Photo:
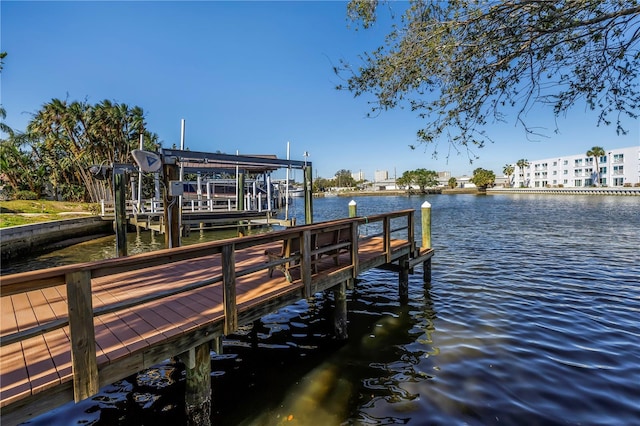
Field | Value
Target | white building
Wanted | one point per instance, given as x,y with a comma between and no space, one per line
358,176
618,167
381,175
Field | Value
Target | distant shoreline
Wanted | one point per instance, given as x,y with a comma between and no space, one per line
625,191
396,193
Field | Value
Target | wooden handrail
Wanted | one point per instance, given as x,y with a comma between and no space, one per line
35,280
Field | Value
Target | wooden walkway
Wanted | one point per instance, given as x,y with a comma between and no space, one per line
68,331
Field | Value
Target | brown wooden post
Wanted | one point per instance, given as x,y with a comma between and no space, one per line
119,198
83,340
426,266
240,201
411,233
411,229
305,265
172,209
340,311
229,283
197,396
354,249
308,194
386,231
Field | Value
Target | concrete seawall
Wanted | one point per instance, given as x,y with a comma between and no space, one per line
18,240
635,191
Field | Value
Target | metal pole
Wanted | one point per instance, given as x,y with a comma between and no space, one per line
181,177
199,191
286,188
156,186
269,192
140,180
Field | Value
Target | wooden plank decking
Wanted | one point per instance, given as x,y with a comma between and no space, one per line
149,307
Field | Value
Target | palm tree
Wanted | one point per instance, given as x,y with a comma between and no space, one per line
522,164
508,171
4,127
596,152
71,137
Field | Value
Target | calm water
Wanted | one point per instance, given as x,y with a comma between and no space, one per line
532,317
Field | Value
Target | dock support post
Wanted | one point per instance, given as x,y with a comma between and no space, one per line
340,311
240,199
216,345
229,288
308,195
119,190
353,208
197,396
268,185
172,208
82,334
426,238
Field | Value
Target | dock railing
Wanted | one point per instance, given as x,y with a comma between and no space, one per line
336,242
214,204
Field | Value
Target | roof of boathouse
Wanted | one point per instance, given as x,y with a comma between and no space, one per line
194,161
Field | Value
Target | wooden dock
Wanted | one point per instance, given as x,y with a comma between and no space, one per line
68,331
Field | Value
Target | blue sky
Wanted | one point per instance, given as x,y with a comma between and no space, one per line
247,77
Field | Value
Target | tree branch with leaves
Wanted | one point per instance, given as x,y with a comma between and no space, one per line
461,65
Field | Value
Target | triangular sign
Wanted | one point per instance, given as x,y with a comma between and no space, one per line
146,160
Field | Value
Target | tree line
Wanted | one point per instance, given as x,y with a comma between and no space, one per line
63,140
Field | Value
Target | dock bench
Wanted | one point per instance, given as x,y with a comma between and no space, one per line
330,242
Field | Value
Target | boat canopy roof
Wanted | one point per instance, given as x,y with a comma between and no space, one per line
194,161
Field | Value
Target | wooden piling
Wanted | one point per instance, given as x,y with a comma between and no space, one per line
120,211
308,194
198,386
340,311
229,289
171,207
216,345
240,206
353,208
82,334
426,238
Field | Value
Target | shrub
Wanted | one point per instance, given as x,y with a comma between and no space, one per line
26,195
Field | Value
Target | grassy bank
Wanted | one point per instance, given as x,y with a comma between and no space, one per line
24,212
